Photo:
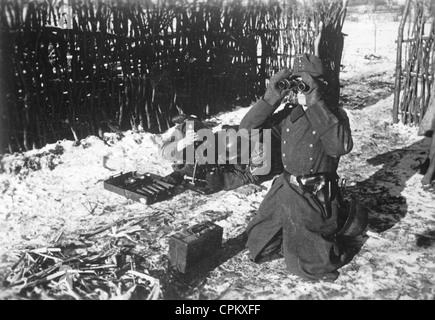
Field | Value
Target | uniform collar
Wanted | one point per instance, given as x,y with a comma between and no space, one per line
296,113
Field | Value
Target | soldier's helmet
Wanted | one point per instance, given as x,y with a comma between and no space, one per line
191,122
356,221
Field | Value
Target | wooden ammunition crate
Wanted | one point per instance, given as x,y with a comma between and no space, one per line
146,187
189,246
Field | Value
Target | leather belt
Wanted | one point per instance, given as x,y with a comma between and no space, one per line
291,179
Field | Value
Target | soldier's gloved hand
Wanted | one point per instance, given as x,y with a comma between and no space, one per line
315,89
175,177
274,94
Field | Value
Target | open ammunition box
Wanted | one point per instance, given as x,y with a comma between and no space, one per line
135,186
189,246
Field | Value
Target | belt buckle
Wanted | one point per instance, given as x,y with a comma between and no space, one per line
292,179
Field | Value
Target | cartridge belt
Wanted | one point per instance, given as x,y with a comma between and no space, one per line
320,186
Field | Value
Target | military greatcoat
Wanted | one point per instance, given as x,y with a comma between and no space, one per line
312,141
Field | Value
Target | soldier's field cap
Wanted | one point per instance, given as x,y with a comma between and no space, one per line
308,63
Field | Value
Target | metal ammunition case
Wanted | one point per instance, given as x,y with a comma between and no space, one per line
189,246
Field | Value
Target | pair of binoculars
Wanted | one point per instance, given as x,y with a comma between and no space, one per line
296,85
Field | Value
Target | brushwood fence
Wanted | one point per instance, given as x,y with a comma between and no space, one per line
415,63
73,68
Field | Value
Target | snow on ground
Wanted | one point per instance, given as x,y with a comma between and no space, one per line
60,187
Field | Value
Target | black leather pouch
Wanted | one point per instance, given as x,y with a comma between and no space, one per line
319,186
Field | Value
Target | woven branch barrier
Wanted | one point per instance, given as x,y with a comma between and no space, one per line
415,63
74,68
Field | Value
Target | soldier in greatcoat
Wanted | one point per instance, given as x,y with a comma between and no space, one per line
218,177
298,218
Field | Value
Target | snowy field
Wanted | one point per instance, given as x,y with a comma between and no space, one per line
57,192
